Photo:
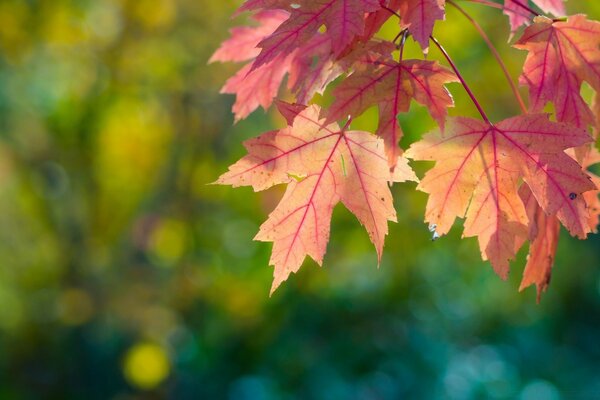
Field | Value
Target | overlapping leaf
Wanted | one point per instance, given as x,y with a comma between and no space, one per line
322,166
543,236
543,229
392,85
343,20
253,88
257,87
562,55
419,17
480,168
519,16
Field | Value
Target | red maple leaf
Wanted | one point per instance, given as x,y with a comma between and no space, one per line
519,16
322,166
392,85
543,230
343,20
479,170
419,17
562,55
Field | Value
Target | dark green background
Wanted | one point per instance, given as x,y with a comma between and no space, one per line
115,256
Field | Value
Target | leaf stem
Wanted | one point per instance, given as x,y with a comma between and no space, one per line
462,80
402,42
381,3
494,51
526,7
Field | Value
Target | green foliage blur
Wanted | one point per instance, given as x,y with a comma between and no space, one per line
123,275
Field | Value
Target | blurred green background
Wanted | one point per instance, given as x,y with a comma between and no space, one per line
124,276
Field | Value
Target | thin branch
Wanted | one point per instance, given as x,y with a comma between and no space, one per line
397,37
489,43
389,9
462,80
402,42
526,7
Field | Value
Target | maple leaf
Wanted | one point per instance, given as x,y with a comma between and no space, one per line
391,85
555,7
289,111
544,229
419,16
543,236
479,170
562,55
322,166
375,20
257,87
251,5
343,19
519,16
241,46
312,68
253,88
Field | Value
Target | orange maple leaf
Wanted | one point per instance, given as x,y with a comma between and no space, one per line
479,170
544,229
562,55
322,166
392,85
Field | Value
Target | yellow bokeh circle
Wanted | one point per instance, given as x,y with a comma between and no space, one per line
146,365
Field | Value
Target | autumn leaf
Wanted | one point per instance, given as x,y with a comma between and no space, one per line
480,168
241,46
562,55
544,230
543,237
257,87
322,166
289,111
253,88
392,85
519,16
419,17
343,20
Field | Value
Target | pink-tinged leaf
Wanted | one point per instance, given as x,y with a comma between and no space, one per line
562,55
292,34
375,20
543,235
544,229
312,69
254,88
241,46
390,130
343,19
391,85
479,170
322,167
419,17
517,15
251,5
347,21
555,7
591,197
289,111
